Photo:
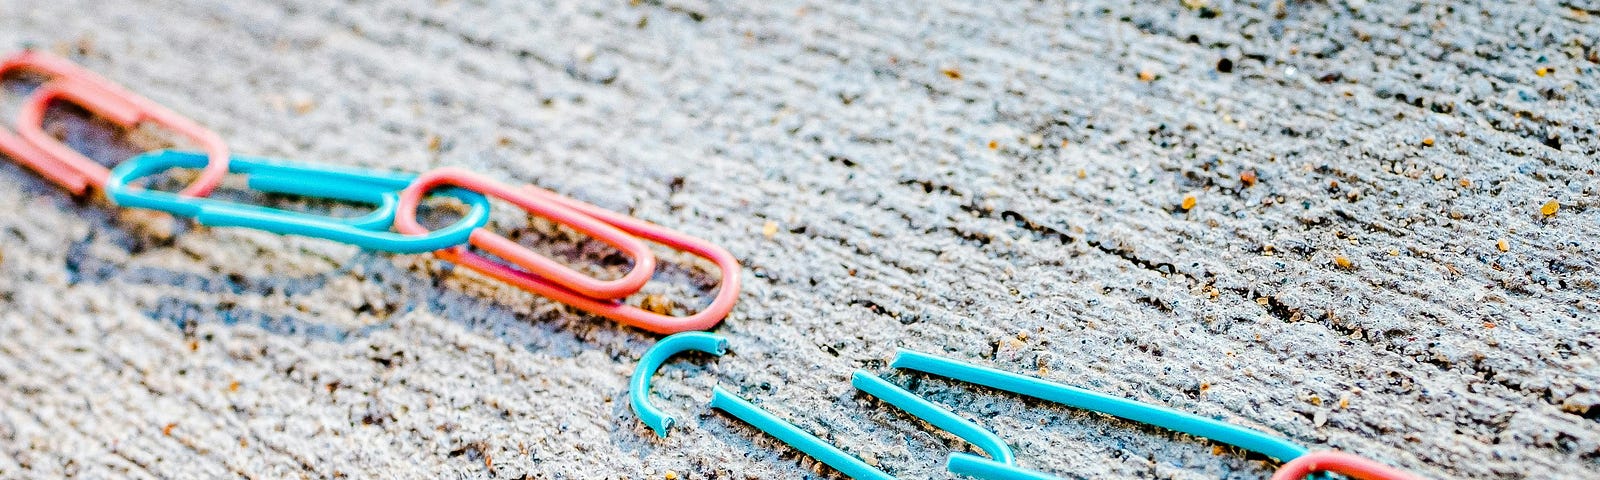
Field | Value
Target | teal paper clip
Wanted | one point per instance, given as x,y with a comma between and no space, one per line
934,414
794,436
1001,464
639,384
1278,448
370,231
978,467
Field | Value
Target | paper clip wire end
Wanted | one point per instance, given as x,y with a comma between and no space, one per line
639,384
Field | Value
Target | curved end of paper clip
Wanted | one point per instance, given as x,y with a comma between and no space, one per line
978,467
639,384
933,414
1346,464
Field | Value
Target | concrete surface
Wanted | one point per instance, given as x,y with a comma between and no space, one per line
1001,182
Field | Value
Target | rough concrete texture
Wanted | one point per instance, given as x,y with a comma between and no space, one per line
1000,182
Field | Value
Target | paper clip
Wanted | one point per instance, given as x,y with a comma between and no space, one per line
74,171
1341,463
21,150
727,294
644,262
794,436
1164,417
979,467
370,231
639,384
933,414
999,465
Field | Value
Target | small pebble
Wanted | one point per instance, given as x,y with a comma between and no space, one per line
1343,262
1550,208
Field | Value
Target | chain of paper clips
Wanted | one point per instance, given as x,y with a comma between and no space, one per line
393,227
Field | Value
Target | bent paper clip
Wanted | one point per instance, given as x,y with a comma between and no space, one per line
371,231
794,436
639,384
979,467
1001,464
1164,417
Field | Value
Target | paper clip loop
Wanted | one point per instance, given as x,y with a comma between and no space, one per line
644,262
727,293
71,169
371,231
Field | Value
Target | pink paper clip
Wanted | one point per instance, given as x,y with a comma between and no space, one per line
644,262
727,293
70,169
1341,463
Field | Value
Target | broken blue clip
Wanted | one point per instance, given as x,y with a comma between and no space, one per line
1278,448
639,385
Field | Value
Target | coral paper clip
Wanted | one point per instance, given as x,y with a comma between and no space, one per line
1192,424
727,293
73,170
1341,463
371,231
644,262
28,154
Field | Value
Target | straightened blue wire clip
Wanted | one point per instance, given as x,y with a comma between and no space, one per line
371,231
1223,432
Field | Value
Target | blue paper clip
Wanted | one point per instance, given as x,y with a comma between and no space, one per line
934,414
1192,424
978,467
794,436
371,231
639,384
1001,464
